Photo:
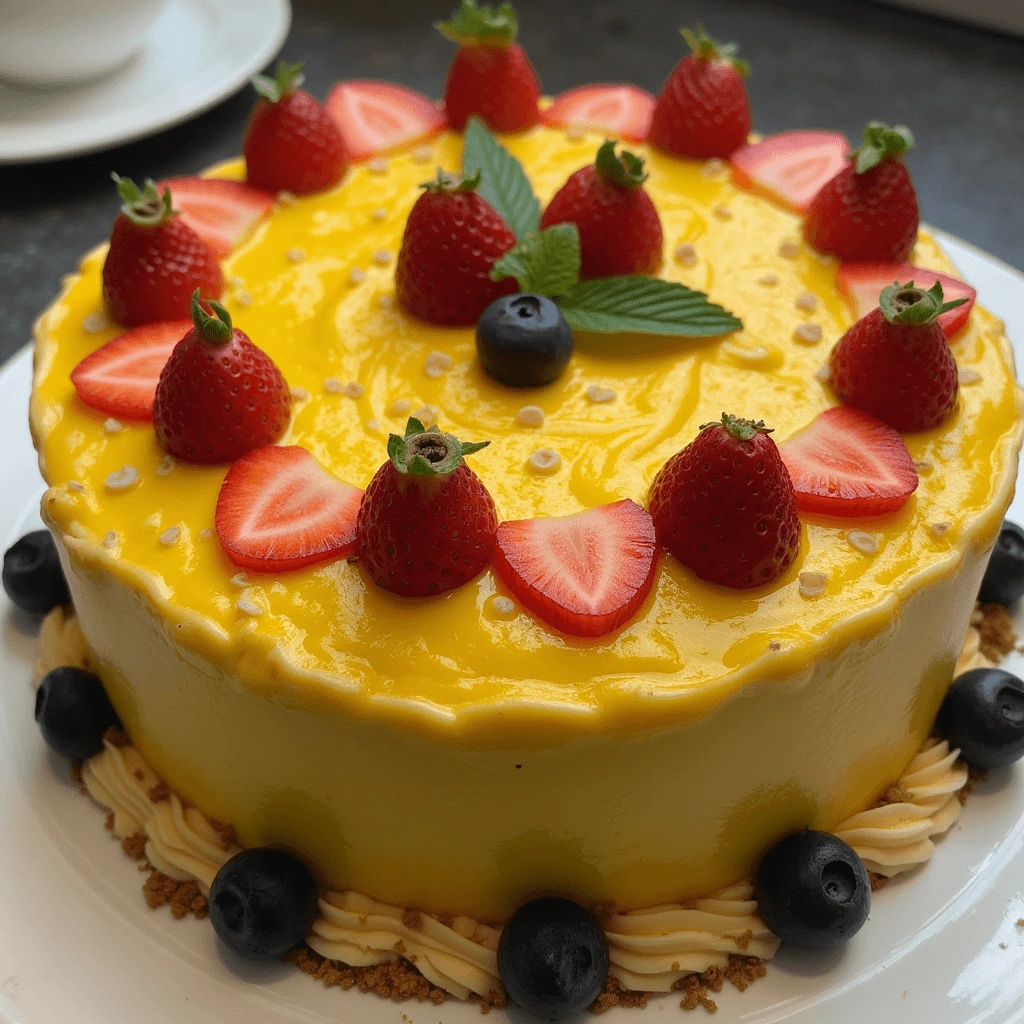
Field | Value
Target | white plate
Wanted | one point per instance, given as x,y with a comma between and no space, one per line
199,52
79,946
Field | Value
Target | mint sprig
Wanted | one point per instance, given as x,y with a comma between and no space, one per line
545,262
503,182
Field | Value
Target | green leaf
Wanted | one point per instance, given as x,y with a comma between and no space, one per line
473,23
645,305
881,143
544,262
503,182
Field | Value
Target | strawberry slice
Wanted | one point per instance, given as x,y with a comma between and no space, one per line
374,117
847,463
790,167
862,283
120,378
584,574
624,111
219,211
279,509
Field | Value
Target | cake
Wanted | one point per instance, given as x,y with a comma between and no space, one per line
446,758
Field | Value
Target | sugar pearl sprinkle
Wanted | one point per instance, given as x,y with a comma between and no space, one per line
768,280
353,390
812,584
503,605
357,275
296,255
247,607
400,407
286,198
437,364
170,535
531,416
378,165
95,323
807,302
111,539
723,212
686,254
300,394
807,334
386,301
968,376
599,393
423,154
938,530
234,281
427,414
382,257
122,479
545,460
713,167
379,214
334,386
789,249
866,543
205,533
243,298
240,579
74,485
823,373
112,426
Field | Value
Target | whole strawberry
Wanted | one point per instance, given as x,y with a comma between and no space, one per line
725,507
155,261
702,110
620,231
219,396
868,212
895,362
490,75
426,523
291,143
452,239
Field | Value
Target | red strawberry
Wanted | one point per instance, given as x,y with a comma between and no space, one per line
120,378
219,211
702,110
376,117
724,505
868,211
426,523
895,362
624,111
862,284
279,509
847,463
620,231
490,75
452,239
156,261
219,396
584,574
790,167
291,143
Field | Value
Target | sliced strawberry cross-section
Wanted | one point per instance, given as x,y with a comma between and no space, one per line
120,377
219,211
375,117
847,463
279,510
622,111
862,283
791,167
584,574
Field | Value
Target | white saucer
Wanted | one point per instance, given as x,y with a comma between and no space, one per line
79,946
199,52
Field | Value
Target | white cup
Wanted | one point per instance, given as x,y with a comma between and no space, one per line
56,42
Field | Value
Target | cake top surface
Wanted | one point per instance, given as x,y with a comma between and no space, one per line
314,287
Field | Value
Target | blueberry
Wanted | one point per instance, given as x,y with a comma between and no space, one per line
552,958
812,890
73,712
262,902
983,715
1004,578
33,578
523,340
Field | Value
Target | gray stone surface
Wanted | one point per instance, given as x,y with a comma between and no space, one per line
822,63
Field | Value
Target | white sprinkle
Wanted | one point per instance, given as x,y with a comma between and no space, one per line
531,416
823,373
722,212
334,385
866,543
807,301
95,323
382,257
437,363
112,426
378,165
243,298
357,275
968,376
286,198
807,334
768,280
948,451
774,645
385,300
234,281
812,584
111,539
938,530
205,533
296,255
76,529
713,167
746,353
600,393
248,607
427,414
300,394
373,425
924,465
240,579
423,154
575,133
379,214
354,390
503,605
686,254
789,249
122,479
166,466
545,460
170,535
400,407
74,485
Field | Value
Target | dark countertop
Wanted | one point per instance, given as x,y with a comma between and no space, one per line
835,64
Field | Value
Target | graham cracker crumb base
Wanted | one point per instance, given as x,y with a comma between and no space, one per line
998,637
182,897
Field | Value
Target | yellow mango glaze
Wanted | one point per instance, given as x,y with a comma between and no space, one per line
436,753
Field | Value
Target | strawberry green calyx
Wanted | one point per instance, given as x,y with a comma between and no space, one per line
217,330
146,206
910,306
448,184
286,80
705,48
741,429
423,452
881,143
624,170
481,25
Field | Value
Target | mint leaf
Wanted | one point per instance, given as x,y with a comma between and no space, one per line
544,262
503,182
646,305
472,24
